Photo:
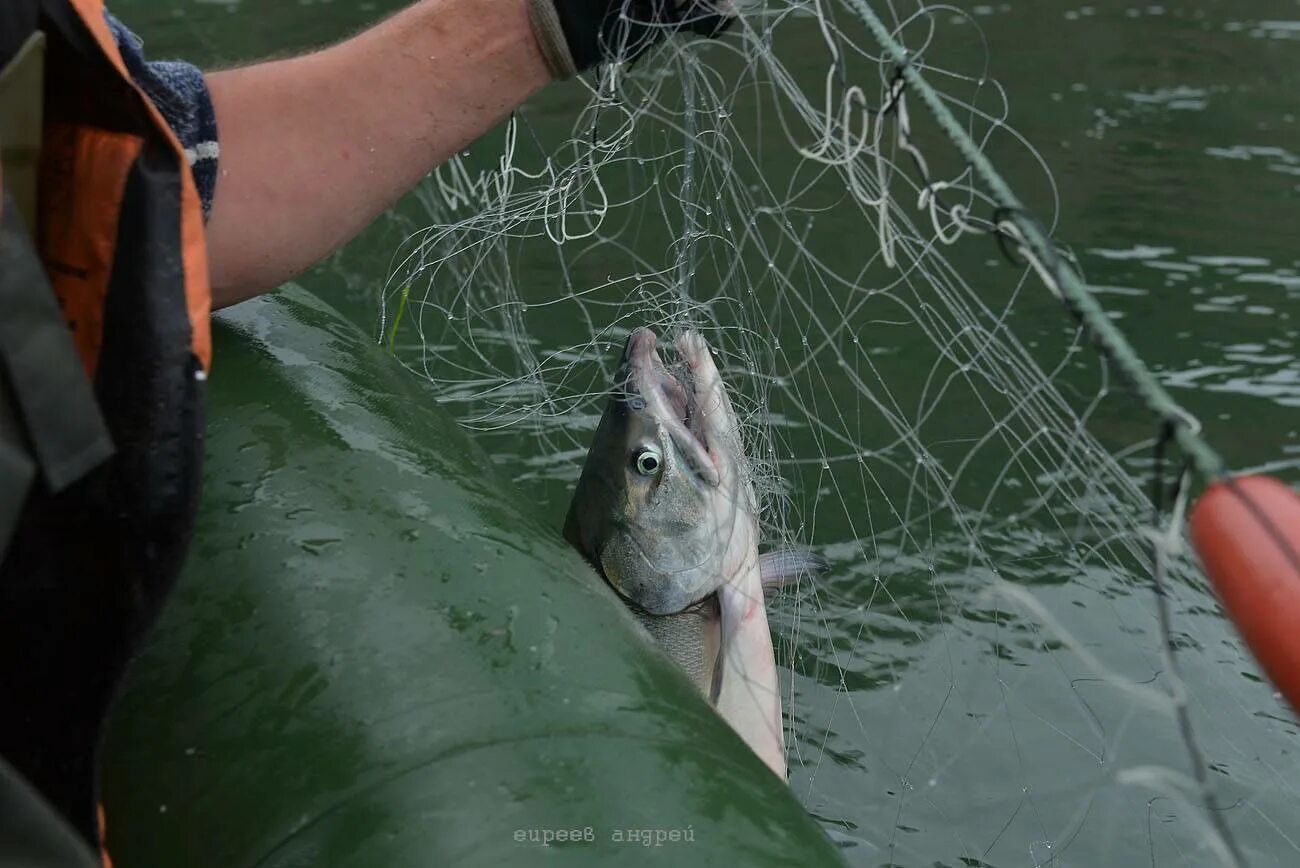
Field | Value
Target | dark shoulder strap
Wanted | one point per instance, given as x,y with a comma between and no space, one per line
17,22
54,409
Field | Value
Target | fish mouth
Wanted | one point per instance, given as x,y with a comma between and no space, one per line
686,397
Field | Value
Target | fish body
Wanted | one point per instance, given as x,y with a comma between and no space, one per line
691,639
665,511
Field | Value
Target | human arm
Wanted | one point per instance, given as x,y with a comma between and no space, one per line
315,147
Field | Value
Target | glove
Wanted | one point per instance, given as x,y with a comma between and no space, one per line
576,35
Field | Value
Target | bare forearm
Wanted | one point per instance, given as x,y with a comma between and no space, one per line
314,148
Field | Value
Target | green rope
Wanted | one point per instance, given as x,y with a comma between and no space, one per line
1110,340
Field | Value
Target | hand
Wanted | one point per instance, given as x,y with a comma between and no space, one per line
576,35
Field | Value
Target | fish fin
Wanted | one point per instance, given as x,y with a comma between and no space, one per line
777,567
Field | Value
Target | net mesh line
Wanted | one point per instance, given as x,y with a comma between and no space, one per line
1063,282
1037,245
911,484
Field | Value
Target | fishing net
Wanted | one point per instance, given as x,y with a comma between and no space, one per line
1014,659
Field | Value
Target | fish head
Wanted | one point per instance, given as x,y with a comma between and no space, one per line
664,508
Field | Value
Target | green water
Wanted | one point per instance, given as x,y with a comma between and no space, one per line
1171,133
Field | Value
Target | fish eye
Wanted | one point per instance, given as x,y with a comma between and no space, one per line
648,460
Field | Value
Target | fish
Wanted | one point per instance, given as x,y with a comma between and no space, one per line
665,511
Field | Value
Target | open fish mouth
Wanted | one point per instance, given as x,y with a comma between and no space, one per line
687,398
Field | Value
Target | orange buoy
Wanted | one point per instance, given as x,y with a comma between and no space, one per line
103,840
1247,532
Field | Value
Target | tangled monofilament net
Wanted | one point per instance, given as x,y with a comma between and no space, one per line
984,677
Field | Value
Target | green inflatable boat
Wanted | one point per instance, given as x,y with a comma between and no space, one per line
377,657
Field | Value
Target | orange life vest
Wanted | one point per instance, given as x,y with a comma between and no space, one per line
107,509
